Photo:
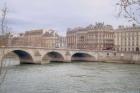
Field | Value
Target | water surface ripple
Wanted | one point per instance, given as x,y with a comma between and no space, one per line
82,77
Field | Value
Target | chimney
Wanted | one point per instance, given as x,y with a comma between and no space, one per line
134,25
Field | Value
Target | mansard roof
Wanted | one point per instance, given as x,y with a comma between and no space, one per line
128,28
34,32
97,26
42,32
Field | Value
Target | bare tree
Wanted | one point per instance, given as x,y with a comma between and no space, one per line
130,9
3,69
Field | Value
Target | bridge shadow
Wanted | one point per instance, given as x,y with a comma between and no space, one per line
53,57
82,57
18,56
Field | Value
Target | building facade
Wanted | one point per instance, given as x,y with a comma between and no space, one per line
5,39
36,38
61,42
92,37
127,39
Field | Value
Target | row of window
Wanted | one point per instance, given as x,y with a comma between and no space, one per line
136,49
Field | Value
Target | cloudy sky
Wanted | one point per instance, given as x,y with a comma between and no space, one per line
60,14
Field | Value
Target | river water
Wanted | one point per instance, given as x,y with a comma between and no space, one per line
76,77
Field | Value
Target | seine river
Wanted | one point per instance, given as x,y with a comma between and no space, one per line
76,77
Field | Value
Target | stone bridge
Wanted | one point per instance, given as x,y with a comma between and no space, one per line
43,55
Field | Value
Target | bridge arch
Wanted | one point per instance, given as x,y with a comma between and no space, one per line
53,56
24,56
78,56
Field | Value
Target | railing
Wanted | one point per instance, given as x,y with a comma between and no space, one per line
78,50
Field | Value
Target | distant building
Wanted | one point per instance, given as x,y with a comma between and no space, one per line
127,39
93,37
49,39
4,39
36,38
61,42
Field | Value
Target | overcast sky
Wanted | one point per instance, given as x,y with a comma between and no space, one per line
60,14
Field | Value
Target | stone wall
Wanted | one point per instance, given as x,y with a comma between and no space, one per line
122,58
37,55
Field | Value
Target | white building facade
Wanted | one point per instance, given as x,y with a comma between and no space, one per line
127,39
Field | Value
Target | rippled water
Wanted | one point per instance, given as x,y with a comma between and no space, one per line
82,77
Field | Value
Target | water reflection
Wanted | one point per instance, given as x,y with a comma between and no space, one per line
78,77
11,59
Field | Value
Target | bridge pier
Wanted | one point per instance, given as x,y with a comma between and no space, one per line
67,58
45,61
37,60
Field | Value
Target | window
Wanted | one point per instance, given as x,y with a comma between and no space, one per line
107,54
137,49
115,54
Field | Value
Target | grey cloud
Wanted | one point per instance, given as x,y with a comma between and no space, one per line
59,14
